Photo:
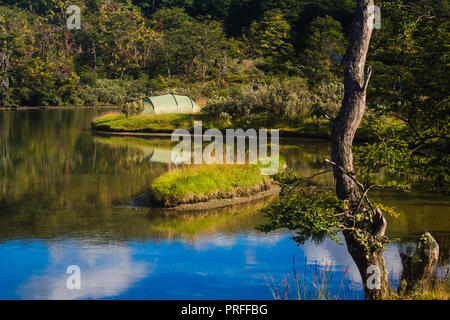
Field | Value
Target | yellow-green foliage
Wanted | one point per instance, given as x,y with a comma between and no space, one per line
437,288
163,122
132,108
195,181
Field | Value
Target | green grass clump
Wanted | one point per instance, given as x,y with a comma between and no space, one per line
149,123
200,182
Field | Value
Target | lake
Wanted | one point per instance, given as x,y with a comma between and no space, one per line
63,191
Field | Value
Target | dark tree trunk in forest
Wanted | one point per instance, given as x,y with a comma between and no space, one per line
366,250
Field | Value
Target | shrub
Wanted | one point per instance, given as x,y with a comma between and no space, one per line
87,97
114,92
132,108
88,77
111,92
289,97
328,98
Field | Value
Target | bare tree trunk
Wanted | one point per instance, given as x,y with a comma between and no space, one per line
353,106
365,249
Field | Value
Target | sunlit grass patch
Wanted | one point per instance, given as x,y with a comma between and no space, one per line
162,122
200,183
436,288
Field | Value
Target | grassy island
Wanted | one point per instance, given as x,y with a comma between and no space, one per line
202,183
307,127
151,123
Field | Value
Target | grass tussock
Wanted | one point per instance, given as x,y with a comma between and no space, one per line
324,282
435,288
314,282
438,289
202,183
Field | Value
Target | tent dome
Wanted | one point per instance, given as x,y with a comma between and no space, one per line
169,103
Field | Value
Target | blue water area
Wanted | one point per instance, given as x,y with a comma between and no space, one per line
244,266
62,194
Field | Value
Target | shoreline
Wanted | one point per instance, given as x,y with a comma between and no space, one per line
285,135
142,201
24,108
164,127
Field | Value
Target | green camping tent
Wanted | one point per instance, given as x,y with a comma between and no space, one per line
169,103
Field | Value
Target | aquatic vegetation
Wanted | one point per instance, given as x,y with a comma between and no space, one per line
314,282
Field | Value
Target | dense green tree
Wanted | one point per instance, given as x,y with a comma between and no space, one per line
411,63
39,69
270,37
149,7
325,34
188,46
300,14
171,18
217,9
126,39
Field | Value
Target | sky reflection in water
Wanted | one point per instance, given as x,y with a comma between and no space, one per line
59,189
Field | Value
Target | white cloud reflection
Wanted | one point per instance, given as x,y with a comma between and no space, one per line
106,271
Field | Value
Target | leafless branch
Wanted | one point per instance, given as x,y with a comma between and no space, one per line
346,173
299,182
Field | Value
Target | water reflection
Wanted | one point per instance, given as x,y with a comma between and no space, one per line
60,191
106,272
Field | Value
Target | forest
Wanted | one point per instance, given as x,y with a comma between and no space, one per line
310,68
243,58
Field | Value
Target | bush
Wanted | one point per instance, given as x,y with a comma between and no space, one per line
86,97
328,99
132,108
88,77
112,92
289,97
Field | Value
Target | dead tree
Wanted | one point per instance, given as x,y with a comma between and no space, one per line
366,241
365,246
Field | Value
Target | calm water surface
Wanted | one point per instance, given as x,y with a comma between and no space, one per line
62,191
